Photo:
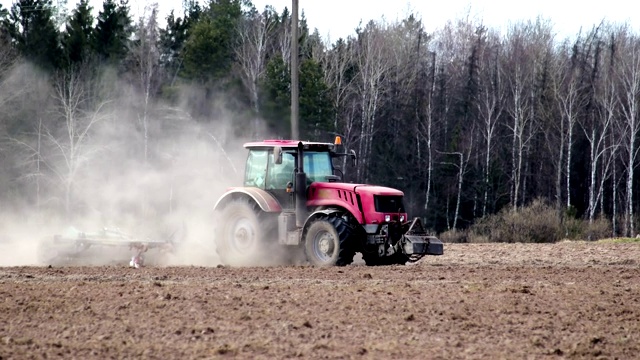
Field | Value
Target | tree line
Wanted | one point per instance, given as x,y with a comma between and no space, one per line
466,120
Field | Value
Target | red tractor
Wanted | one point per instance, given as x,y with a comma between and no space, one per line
293,200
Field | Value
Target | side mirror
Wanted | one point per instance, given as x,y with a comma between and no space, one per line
277,155
353,156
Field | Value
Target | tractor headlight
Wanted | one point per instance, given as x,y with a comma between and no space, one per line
387,218
401,218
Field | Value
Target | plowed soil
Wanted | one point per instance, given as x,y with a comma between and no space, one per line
485,301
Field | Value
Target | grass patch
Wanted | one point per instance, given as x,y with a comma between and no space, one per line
619,241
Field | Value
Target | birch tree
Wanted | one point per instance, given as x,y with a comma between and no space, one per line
461,165
520,119
145,55
527,47
601,150
338,64
490,105
72,148
373,64
568,101
254,31
426,129
629,77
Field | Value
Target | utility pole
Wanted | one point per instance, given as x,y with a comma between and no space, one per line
295,134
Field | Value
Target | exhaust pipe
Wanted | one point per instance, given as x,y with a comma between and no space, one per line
301,187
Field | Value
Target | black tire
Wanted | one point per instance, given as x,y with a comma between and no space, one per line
242,235
327,242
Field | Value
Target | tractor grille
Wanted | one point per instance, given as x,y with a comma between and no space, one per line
388,204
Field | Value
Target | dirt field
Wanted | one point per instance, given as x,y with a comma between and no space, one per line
566,300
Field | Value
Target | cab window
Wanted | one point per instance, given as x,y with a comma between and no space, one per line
256,169
281,174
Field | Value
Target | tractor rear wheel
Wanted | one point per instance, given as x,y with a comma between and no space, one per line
242,235
326,242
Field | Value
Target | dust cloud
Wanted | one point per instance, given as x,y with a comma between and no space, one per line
145,173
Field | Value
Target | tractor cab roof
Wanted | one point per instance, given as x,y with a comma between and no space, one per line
290,144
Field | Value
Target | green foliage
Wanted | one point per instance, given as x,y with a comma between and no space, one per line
171,45
77,37
112,32
201,53
208,52
316,112
31,25
276,99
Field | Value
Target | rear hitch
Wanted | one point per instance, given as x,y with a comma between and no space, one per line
415,242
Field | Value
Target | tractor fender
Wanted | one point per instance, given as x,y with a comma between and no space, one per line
317,214
266,201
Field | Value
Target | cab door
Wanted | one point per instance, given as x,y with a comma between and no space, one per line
278,176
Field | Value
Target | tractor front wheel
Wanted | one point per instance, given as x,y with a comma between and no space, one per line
326,243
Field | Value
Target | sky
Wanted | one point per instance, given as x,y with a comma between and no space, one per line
339,18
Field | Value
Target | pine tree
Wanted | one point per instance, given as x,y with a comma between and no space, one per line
173,38
316,113
208,53
113,31
276,101
77,38
32,27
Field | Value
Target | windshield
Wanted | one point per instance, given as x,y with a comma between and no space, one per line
317,165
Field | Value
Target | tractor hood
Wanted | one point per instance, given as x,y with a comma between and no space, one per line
357,188
377,190
369,204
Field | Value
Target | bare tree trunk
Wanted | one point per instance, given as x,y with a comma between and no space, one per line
462,168
336,64
490,110
427,193
254,33
429,126
373,66
38,163
568,165
598,148
522,132
460,175
630,79
614,195
147,60
70,97
559,163
517,131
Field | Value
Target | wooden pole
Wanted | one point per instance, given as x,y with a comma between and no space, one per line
295,134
